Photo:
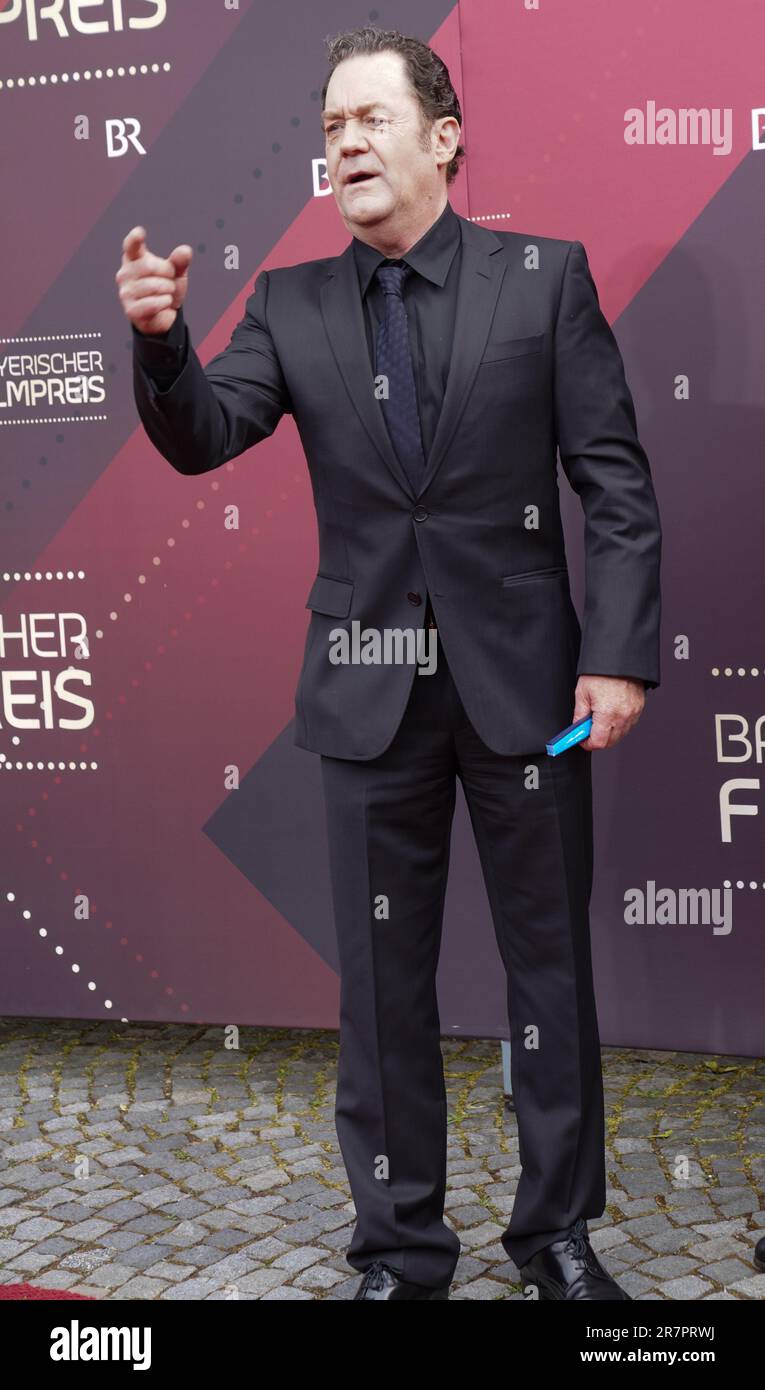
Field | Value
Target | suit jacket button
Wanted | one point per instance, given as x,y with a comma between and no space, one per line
420,514
415,598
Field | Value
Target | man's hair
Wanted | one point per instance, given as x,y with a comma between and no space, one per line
428,75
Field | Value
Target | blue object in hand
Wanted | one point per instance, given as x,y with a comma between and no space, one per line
568,737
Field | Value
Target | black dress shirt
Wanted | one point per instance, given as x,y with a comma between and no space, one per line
430,298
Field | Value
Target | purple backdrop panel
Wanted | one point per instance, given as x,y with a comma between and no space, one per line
163,847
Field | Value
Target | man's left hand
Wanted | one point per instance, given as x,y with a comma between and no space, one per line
615,703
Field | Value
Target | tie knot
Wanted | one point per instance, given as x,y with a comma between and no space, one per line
391,275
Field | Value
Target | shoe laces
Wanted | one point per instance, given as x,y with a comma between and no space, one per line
375,1275
577,1241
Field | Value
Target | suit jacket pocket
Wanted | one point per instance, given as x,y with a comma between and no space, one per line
331,596
512,347
508,579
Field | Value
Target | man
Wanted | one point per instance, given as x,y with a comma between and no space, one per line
433,369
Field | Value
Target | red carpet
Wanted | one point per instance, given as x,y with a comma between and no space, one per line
25,1291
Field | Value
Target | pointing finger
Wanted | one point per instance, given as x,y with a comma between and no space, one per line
134,243
181,258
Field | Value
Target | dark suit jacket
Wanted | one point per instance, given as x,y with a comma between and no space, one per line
535,369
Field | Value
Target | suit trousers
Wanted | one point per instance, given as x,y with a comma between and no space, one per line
389,827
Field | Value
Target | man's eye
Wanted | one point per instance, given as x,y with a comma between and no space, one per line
374,121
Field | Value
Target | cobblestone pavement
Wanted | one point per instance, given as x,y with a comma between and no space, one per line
159,1161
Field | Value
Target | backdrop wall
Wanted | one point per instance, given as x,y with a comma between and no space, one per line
146,647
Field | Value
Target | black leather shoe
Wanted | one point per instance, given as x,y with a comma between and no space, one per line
759,1254
380,1281
569,1270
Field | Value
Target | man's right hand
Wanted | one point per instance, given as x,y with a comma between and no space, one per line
152,289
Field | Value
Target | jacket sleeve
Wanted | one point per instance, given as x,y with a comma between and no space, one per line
208,415
162,355
607,467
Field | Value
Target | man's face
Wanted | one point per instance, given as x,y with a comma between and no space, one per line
373,125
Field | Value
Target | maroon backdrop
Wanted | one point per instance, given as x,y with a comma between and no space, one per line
148,649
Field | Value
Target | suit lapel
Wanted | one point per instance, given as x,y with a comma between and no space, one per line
481,274
343,314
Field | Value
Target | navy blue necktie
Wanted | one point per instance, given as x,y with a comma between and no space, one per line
394,360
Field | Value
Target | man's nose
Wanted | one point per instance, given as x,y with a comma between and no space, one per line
352,137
